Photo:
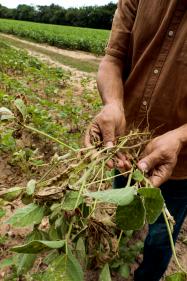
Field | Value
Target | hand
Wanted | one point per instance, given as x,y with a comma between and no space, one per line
109,124
160,157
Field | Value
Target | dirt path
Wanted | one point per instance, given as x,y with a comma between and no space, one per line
69,60
74,54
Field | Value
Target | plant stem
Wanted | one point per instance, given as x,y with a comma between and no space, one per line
48,172
68,235
130,177
109,178
172,242
50,137
101,181
119,239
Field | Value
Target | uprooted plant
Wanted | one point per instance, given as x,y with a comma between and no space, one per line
89,224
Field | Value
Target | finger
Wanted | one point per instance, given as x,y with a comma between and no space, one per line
95,134
149,162
156,181
92,135
110,164
87,139
160,175
108,134
109,144
126,163
119,164
121,156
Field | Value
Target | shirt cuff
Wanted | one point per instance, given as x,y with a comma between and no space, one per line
114,53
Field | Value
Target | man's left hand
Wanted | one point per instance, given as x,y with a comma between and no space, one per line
160,157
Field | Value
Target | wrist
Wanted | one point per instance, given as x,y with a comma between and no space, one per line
116,104
182,134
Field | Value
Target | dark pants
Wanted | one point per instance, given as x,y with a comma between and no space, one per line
157,250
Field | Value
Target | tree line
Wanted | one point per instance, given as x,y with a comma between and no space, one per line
99,17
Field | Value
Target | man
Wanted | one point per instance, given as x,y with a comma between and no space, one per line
143,81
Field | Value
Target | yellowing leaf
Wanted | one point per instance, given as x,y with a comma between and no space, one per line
11,194
38,246
6,114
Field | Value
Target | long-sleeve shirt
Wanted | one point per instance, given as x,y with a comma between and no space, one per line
150,37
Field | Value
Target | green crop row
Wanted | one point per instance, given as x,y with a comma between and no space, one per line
67,37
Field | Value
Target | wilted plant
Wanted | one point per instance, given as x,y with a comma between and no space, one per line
88,222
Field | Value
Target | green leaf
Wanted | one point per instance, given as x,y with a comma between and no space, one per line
64,268
6,262
54,233
105,273
179,276
29,215
50,257
11,194
153,202
121,197
132,216
36,234
3,239
25,262
70,201
138,176
31,187
81,252
124,270
2,213
26,199
7,141
38,246
21,107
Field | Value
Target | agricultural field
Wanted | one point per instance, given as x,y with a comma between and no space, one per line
73,38
60,218
55,112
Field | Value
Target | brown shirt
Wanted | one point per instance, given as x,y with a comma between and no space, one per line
150,36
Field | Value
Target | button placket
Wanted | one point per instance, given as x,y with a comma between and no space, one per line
154,76
156,71
170,33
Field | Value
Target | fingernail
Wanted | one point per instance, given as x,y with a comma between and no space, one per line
143,167
109,144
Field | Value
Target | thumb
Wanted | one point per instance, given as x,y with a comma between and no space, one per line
108,134
149,162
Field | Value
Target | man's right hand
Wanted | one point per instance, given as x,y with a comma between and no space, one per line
109,124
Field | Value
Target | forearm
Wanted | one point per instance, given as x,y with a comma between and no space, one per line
182,134
110,82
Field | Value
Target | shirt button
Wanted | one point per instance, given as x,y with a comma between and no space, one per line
144,102
156,71
170,33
